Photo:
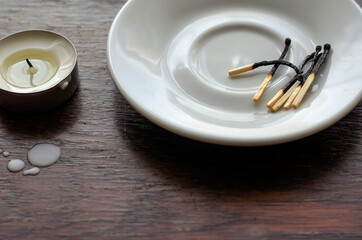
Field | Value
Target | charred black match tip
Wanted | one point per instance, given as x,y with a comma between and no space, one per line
29,63
327,46
318,48
288,41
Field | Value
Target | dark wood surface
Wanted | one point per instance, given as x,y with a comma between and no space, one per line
122,177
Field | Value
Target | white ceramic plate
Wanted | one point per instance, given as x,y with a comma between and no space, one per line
170,58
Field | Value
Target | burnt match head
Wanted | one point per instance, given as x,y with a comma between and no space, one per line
318,48
299,77
327,46
288,41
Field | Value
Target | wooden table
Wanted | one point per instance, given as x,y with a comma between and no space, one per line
122,177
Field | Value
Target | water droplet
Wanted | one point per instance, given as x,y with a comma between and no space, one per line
32,171
16,165
44,155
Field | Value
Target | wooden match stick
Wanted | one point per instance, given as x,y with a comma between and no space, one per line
281,92
311,76
262,87
310,57
285,89
290,101
275,98
278,62
285,97
253,66
315,56
272,72
303,90
243,69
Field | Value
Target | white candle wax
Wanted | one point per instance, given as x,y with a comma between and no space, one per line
17,72
38,71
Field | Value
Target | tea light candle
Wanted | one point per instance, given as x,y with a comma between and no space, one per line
38,71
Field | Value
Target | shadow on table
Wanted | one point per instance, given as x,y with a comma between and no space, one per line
233,170
42,125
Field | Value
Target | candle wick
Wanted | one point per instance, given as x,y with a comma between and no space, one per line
29,63
32,69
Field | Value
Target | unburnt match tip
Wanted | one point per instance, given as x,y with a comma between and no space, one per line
243,69
275,98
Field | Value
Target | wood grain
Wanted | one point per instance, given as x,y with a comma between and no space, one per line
121,177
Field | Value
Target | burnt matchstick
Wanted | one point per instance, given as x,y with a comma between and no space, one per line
316,57
289,102
292,82
253,66
282,92
294,92
299,98
272,72
292,97
311,57
286,95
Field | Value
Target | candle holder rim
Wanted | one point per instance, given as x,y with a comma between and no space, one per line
43,90
40,30
57,83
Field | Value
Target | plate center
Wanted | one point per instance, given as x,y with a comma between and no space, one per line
218,50
200,56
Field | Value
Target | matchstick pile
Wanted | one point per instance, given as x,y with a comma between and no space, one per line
293,93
